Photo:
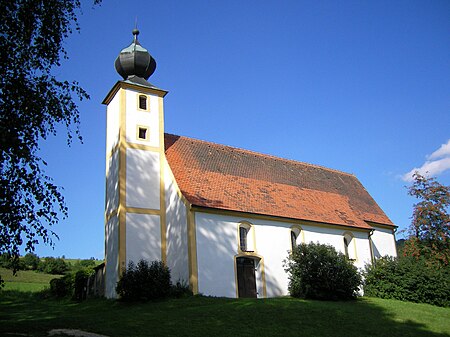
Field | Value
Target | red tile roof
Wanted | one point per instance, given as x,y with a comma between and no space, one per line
227,178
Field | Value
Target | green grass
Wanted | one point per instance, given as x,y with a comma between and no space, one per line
27,313
26,286
26,280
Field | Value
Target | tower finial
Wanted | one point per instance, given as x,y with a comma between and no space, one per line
135,30
135,60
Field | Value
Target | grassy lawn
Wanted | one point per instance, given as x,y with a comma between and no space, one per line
28,314
26,280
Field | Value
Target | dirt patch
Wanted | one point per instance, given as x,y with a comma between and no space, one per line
72,332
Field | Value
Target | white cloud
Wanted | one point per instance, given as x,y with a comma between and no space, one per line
436,163
443,151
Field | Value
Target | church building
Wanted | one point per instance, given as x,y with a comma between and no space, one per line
222,219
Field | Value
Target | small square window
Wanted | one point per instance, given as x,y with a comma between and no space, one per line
142,133
142,102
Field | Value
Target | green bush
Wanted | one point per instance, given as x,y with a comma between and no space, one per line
54,266
181,289
144,281
408,279
62,287
318,271
80,283
83,264
72,285
31,261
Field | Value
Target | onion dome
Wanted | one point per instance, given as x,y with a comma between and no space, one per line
135,61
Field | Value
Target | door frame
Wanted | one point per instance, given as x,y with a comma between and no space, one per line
260,276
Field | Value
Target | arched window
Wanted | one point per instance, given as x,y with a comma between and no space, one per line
349,246
293,240
295,234
346,246
142,102
243,238
246,237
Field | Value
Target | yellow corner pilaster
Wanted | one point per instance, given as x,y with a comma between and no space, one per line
192,252
122,182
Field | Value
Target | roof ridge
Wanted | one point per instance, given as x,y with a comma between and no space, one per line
264,155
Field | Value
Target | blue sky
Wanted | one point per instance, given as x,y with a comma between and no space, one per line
357,86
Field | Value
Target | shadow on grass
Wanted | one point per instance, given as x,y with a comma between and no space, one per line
201,316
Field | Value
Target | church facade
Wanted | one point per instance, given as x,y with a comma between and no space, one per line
222,219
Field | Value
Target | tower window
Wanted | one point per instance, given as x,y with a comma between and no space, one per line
142,133
142,102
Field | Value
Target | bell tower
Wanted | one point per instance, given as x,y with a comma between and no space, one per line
135,215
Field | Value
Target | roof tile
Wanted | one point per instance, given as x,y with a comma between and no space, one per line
227,178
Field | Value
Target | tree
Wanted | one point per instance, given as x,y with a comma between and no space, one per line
33,102
52,265
430,226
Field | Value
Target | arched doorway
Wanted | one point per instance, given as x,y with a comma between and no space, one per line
246,279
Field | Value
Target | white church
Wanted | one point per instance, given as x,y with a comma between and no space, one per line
222,219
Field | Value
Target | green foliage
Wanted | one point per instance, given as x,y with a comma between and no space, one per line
6,261
318,271
144,281
62,287
31,261
73,284
80,283
82,265
52,265
181,289
33,102
408,279
430,227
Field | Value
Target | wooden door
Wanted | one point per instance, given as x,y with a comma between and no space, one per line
246,277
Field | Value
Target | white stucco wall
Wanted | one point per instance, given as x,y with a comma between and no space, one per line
137,117
176,231
383,242
112,198
217,246
359,248
112,183
143,237
143,176
112,123
111,256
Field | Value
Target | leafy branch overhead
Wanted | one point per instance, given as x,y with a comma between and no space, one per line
33,102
